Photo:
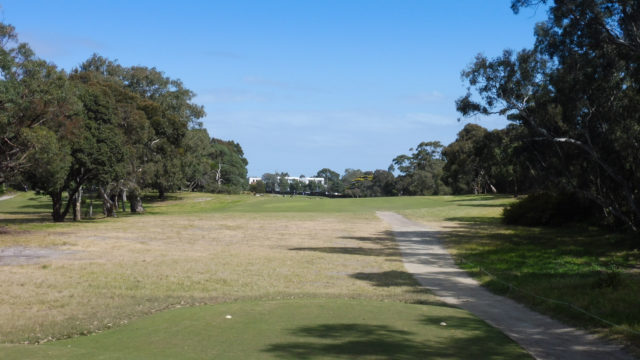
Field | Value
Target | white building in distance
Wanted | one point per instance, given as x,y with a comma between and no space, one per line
305,180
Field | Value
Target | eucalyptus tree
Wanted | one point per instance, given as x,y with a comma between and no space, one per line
231,165
332,179
421,172
33,94
382,184
198,164
463,169
577,93
270,181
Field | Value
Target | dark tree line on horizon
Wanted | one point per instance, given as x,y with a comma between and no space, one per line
104,128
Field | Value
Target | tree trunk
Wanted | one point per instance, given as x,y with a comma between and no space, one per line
77,205
136,204
56,199
161,193
114,200
124,199
107,204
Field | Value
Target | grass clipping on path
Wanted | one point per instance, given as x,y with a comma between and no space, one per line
128,267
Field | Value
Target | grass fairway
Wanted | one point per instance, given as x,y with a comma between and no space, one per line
203,249
293,329
242,254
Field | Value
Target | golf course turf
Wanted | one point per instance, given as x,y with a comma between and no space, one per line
298,265
290,329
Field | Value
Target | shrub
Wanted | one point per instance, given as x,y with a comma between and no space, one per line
550,209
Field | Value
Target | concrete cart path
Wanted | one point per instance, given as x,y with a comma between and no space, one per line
6,197
545,338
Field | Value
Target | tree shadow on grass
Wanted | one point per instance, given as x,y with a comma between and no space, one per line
381,341
35,205
591,268
390,278
384,238
483,205
476,220
350,250
31,219
386,246
469,198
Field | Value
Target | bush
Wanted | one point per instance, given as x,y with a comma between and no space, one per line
550,209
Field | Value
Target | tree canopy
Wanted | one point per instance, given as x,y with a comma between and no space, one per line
576,93
104,127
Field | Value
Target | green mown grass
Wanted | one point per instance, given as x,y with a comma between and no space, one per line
593,269
195,249
293,329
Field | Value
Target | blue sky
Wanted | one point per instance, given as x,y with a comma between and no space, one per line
301,85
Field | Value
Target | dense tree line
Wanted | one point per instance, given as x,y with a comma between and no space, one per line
104,127
575,97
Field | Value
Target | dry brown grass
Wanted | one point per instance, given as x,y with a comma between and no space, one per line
125,268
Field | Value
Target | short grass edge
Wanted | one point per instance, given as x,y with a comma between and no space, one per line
290,329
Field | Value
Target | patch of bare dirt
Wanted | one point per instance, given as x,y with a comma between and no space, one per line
21,255
5,230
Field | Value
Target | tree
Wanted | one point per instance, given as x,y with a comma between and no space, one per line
231,166
167,106
33,93
463,167
421,172
270,182
577,93
383,184
296,186
283,183
258,187
198,164
332,180
51,161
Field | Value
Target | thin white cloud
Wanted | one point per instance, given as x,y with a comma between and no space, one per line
229,95
331,122
278,84
54,44
430,119
426,97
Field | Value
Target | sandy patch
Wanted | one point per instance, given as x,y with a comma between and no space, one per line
21,255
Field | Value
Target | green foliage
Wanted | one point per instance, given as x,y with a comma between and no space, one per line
545,208
332,179
231,175
50,159
283,183
421,173
576,95
270,182
481,161
258,187
118,129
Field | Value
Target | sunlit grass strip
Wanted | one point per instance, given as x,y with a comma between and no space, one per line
292,329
